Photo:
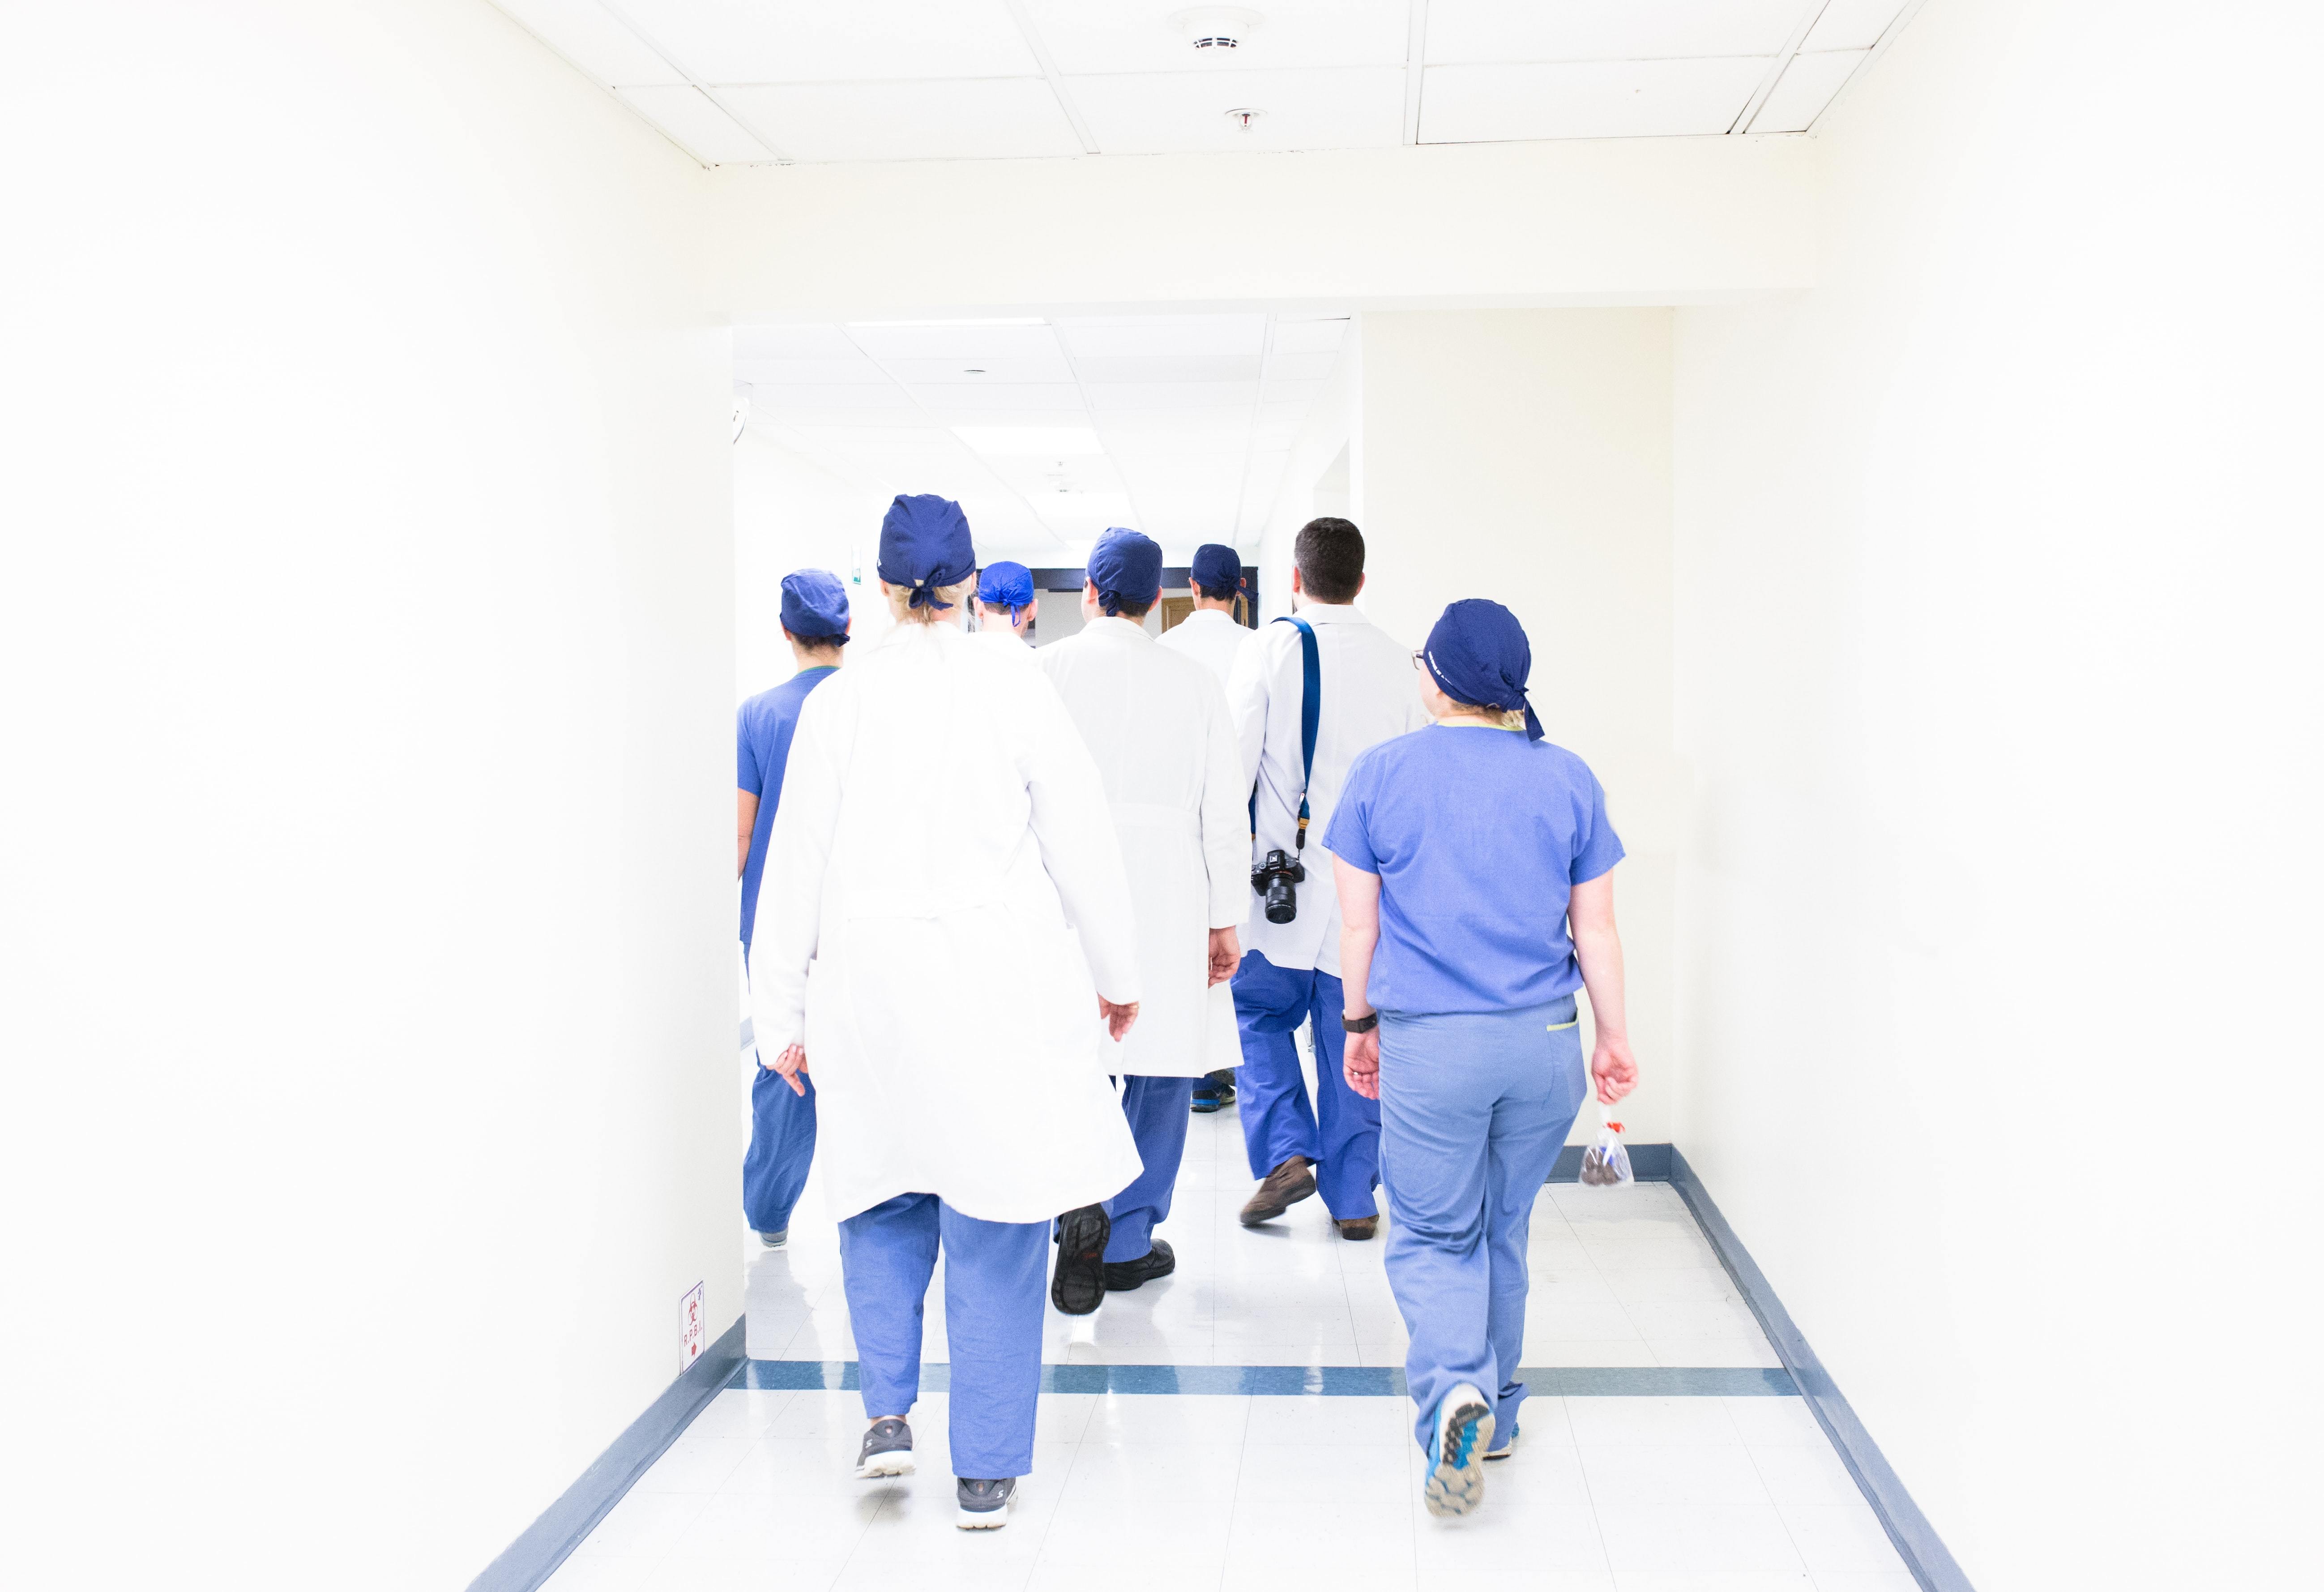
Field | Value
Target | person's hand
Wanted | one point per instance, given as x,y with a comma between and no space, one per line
1359,1063
790,1064
1226,954
1118,1015
1614,1068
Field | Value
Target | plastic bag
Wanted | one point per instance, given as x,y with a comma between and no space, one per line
1606,1164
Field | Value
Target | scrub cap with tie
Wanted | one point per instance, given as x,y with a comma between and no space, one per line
923,543
1126,567
1478,654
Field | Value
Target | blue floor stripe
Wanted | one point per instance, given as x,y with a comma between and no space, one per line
1317,1381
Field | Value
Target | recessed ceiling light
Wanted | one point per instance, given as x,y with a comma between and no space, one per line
1039,442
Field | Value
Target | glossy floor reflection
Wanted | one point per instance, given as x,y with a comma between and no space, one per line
1604,1494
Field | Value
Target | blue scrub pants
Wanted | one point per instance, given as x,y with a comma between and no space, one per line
1474,1107
995,1274
782,1148
1159,1109
1341,1133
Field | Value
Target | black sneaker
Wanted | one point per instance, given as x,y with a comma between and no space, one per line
1215,1090
1079,1286
983,1504
1122,1276
887,1449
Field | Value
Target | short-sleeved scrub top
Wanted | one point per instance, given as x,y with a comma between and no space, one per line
1478,837
762,746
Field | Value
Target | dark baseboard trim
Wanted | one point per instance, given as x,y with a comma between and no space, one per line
1649,1163
534,1556
1924,1552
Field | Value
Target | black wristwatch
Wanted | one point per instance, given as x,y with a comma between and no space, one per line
1363,1024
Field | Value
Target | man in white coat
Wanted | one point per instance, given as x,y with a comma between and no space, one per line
943,836
1213,637
1006,604
1290,971
1157,725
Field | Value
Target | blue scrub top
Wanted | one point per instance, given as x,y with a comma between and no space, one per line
1478,837
762,746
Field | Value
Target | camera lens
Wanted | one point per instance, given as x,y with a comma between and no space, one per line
1282,904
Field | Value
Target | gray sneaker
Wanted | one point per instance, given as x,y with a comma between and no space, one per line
1455,1483
776,1239
984,1504
887,1449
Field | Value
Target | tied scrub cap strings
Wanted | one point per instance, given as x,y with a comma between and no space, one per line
1478,654
1126,567
923,543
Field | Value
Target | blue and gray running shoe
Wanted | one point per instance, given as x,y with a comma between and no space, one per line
1456,1450
887,1449
983,1504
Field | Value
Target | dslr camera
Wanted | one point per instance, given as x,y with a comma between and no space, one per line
1274,878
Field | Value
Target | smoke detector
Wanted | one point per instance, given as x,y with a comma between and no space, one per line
1217,30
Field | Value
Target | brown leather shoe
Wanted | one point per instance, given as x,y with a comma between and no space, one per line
1284,1187
1359,1227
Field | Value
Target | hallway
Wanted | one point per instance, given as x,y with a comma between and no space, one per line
1241,1424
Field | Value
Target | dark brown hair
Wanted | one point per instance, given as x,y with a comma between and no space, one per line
1329,556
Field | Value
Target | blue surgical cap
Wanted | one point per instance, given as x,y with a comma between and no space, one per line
1125,567
923,543
815,604
1479,654
1216,565
1005,585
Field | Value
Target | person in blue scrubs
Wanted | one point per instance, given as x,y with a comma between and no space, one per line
815,621
1473,861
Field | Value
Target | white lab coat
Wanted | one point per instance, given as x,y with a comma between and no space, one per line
1212,639
1004,640
942,884
1371,692
1157,725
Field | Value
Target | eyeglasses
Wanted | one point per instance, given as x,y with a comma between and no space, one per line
1419,658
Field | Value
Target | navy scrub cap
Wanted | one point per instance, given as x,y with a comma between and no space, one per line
815,604
1006,585
1215,565
1125,567
1479,654
923,543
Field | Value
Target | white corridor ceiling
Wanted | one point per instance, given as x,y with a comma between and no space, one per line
1048,432
770,81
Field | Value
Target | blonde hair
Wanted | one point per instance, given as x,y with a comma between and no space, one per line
899,603
1508,718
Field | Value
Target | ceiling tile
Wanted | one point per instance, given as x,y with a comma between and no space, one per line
1307,336
1175,335
794,342
1122,396
1477,31
585,33
1199,367
754,41
835,398
1852,25
965,341
984,370
1284,369
1589,99
1350,108
810,372
987,118
1807,86
698,126
1086,36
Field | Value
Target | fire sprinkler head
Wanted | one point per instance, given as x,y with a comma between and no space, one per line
1244,116
1217,27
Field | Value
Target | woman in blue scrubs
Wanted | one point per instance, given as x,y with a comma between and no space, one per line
1473,864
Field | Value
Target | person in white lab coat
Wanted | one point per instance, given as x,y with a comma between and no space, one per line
1213,637
1006,604
944,848
1290,970
1157,727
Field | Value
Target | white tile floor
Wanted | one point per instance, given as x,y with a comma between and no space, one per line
1605,1495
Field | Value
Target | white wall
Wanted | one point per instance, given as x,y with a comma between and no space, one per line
1525,456
1641,220
1998,654
794,512
367,642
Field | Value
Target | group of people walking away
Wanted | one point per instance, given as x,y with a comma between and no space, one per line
1119,872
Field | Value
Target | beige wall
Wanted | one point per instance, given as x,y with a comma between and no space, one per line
1998,654
368,1010
1525,456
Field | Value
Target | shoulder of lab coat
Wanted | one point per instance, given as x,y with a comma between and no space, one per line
798,856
